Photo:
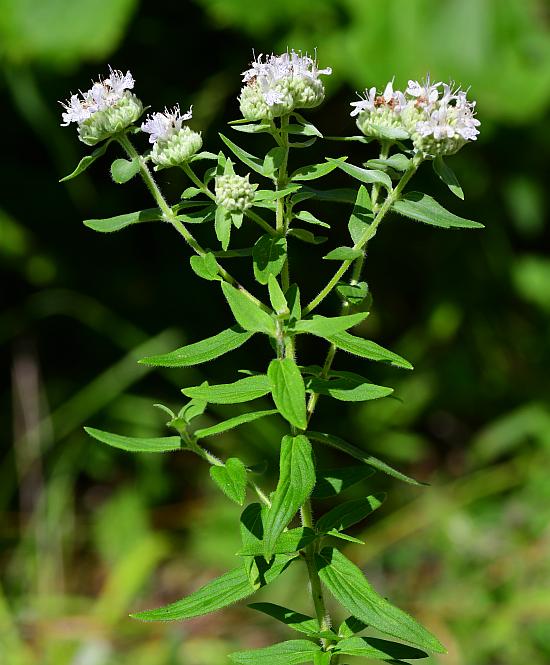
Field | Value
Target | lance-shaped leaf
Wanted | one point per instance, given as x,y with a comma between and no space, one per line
306,216
349,388
340,195
243,390
370,647
347,514
447,175
222,226
247,313
134,444
206,266
299,622
201,352
277,297
288,391
231,479
397,162
221,592
325,326
332,482
231,423
110,224
361,215
344,446
348,585
123,170
269,256
292,652
251,161
364,348
350,626
307,236
85,162
424,208
368,176
296,480
314,171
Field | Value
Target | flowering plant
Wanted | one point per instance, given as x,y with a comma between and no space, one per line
426,122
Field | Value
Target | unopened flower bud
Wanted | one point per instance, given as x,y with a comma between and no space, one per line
173,142
234,193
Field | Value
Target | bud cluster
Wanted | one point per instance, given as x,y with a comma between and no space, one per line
107,108
277,84
173,143
234,193
438,119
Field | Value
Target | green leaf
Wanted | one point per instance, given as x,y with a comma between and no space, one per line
191,192
350,626
87,161
299,622
370,647
251,161
136,444
344,446
288,390
447,175
398,162
424,208
206,267
364,348
277,297
247,313
355,294
231,479
306,216
347,514
296,480
222,226
369,176
231,423
324,326
308,128
274,194
269,256
344,254
293,300
201,352
307,236
333,482
272,161
202,155
119,222
348,388
192,410
347,584
123,170
252,128
243,390
288,542
314,171
341,195
361,217
292,652
221,592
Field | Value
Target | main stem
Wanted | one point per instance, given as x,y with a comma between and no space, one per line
171,218
282,224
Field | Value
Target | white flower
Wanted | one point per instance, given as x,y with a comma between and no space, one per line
161,126
277,84
453,117
391,99
425,93
101,96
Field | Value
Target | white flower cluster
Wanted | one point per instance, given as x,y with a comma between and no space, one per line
234,192
173,142
277,84
106,108
438,119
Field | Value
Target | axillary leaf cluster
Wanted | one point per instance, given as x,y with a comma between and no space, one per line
424,123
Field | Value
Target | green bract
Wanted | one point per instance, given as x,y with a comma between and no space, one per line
282,317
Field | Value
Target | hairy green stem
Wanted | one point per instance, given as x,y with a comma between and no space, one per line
369,233
171,218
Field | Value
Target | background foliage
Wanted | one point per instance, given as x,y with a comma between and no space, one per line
83,528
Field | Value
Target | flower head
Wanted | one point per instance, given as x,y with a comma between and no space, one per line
173,142
234,193
106,108
379,114
277,84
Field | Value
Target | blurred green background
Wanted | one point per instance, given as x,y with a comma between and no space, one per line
88,534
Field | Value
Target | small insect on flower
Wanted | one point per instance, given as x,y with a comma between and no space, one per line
277,84
173,142
379,115
107,108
